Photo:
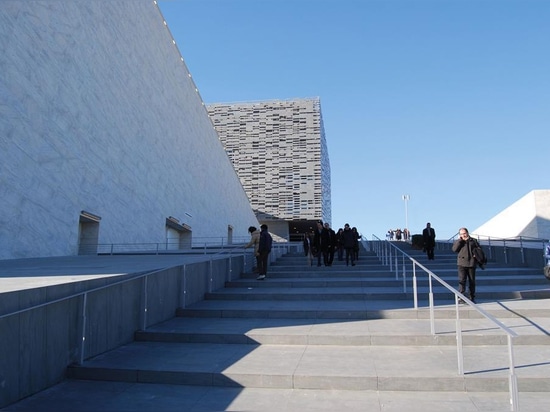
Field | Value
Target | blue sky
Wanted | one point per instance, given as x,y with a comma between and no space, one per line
447,101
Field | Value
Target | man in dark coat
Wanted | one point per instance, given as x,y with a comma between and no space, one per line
328,243
349,239
466,262
428,236
264,249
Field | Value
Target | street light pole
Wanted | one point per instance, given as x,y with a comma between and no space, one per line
406,198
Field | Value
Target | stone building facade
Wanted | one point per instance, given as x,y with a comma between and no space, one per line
279,151
104,138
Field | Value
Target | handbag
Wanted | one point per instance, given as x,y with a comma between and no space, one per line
479,256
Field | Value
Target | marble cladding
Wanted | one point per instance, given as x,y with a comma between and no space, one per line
98,112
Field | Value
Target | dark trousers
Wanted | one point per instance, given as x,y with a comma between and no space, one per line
467,274
340,253
430,252
350,253
262,263
330,255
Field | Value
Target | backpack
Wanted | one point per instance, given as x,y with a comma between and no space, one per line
479,256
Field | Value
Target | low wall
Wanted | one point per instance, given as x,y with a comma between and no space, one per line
72,322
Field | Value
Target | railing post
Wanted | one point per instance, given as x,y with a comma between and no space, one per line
396,267
83,328
415,289
431,300
229,272
522,251
459,348
144,299
513,380
211,276
183,291
505,252
404,276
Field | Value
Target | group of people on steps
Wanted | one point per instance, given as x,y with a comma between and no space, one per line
324,242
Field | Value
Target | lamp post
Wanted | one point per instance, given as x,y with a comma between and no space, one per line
406,198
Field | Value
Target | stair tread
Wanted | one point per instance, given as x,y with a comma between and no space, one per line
327,327
324,360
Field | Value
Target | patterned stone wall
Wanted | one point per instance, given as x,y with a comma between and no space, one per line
98,112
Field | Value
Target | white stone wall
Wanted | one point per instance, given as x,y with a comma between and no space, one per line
98,112
527,217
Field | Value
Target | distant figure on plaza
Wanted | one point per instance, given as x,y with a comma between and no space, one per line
317,241
349,239
264,249
308,248
398,234
547,260
339,245
406,234
428,238
356,244
254,241
466,262
328,242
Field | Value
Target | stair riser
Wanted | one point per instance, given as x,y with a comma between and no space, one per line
439,295
460,383
256,339
346,315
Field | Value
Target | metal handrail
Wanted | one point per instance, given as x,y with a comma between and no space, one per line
489,239
388,257
277,250
202,245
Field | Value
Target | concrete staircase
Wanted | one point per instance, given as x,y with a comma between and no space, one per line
339,336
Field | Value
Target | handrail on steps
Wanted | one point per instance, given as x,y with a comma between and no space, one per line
278,249
390,255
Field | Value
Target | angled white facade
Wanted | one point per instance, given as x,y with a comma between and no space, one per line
528,217
279,151
104,138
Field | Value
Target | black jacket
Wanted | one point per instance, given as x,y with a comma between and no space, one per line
349,239
465,252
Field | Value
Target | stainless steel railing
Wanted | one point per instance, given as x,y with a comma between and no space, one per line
391,255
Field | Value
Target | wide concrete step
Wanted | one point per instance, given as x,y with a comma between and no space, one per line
396,332
108,396
275,281
359,309
369,293
379,367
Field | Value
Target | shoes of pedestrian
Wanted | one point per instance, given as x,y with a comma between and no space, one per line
261,277
353,264
461,301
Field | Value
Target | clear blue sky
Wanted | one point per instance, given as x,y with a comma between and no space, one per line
447,101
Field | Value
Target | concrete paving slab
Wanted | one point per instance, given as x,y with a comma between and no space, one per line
322,365
94,396
21,274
